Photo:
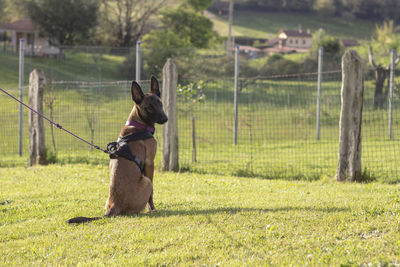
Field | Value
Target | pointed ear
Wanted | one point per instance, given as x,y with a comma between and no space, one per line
154,87
137,93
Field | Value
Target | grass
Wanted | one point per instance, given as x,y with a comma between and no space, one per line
267,24
201,220
78,65
276,137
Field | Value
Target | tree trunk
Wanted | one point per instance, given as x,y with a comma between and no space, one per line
380,95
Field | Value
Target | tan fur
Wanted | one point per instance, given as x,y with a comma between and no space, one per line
130,190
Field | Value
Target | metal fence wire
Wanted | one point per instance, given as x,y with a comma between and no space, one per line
277,127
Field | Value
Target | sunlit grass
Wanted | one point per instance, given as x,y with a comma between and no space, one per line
267,24
201,220
276,130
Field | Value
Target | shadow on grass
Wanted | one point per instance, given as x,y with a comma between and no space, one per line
227,210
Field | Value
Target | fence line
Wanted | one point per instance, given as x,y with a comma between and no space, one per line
276,124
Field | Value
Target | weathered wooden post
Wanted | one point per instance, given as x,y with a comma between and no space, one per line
37,147
349,165
170,159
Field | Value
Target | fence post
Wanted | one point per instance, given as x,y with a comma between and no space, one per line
170,152
21,89
138,62
235,97
194,149
37,146
320,55
349,163
230,21
392,68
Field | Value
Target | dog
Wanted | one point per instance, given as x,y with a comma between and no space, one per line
131,175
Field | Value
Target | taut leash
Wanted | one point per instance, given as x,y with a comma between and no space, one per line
52,122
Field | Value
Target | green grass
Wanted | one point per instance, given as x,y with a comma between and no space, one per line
77,65
267,24
201,220
276,137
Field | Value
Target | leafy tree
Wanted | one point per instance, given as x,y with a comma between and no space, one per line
199,5
2,11
325,7
385,38
183,29
332,52
331,45
64,22
124,22
278,65
189,22
161,45
12,10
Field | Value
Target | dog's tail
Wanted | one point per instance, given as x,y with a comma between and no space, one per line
83,219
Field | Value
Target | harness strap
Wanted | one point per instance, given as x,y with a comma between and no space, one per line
121,148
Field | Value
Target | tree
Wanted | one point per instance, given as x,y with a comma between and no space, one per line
381,72
183,29
161,45
2,10
64,22
325,7
189,23
12,10
123,22
385,39
332,52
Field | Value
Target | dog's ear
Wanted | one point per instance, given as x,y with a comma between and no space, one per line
137,93
154,87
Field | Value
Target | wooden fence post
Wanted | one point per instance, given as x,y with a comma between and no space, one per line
37,147
349,165
170,159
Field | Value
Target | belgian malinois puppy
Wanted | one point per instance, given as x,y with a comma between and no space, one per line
130,189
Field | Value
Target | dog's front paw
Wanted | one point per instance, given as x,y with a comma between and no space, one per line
151,210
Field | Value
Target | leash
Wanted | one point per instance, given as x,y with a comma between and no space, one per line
53,123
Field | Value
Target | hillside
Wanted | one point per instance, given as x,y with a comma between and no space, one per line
266,24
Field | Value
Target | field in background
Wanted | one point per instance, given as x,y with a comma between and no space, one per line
201,220
266,24
276,131
79,65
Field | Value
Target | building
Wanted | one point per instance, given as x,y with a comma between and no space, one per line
295,39
34,44
290,41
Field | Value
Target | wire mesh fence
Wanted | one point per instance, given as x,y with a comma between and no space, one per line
277,132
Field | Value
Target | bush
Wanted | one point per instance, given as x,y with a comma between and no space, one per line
277,65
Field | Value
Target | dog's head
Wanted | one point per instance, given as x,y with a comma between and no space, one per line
150,107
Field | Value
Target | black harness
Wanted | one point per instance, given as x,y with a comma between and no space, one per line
121,148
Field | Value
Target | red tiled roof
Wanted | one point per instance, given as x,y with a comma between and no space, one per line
24,25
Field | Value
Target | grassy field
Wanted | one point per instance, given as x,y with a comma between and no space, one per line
201,220
276,139
78,65
267,24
